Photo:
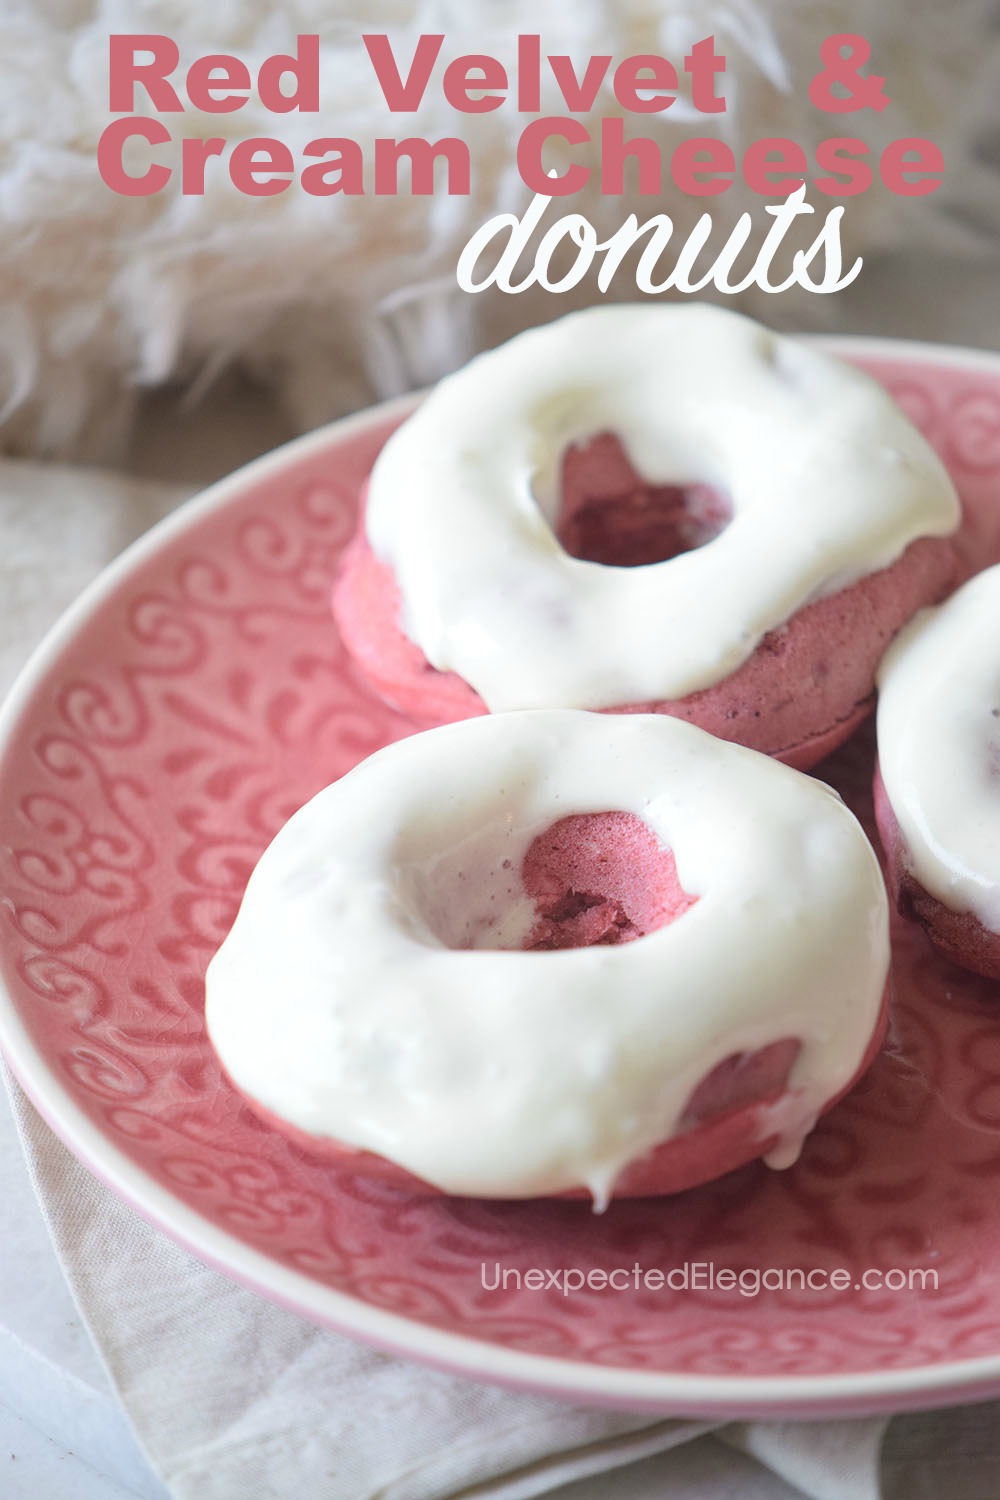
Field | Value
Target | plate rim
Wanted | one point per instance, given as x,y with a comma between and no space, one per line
660,1392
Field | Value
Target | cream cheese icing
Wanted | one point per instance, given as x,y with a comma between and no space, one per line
827,478
939,746
371,989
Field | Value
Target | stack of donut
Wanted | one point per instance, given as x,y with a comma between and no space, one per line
588,935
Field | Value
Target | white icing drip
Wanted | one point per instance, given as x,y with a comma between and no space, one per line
335,1002
827,478
939,746
791,1122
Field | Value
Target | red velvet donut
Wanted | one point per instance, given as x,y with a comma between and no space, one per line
602,879
800,694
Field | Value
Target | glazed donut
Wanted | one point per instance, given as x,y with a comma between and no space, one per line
553,952
937,785
789,521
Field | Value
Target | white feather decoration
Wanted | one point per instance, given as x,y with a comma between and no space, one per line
339,300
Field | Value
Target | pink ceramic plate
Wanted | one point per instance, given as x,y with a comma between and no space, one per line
192,699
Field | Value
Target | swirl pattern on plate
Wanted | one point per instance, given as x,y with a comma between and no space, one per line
202,701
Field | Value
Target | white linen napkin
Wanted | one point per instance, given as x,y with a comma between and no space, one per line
233,1398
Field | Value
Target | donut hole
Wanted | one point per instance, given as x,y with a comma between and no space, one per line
609,514
600,879
588,879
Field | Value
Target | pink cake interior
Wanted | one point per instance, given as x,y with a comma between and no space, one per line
600,878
